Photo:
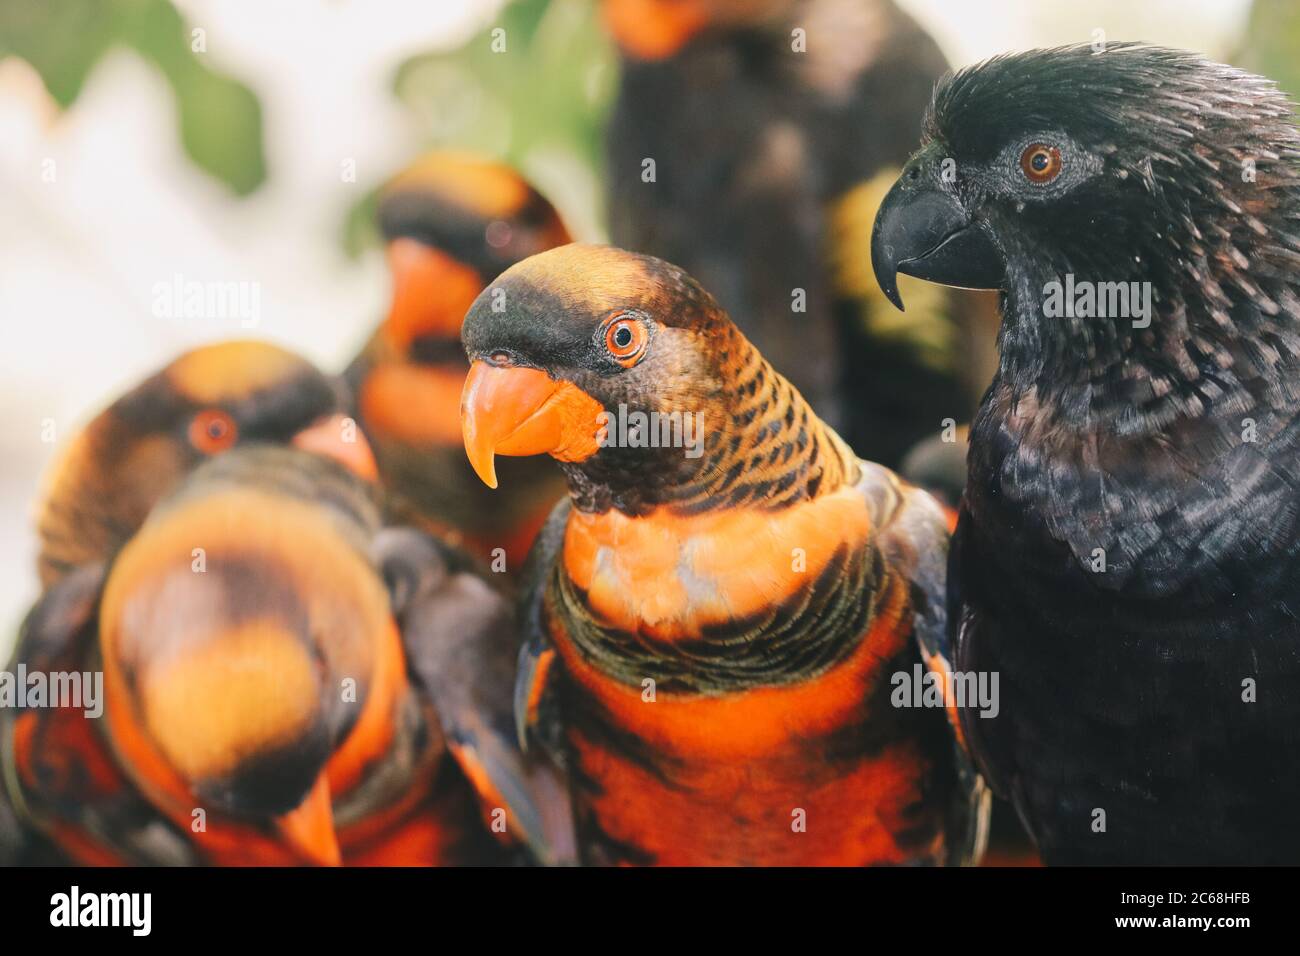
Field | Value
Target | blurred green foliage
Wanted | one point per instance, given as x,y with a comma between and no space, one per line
532,88
219,119
1272,44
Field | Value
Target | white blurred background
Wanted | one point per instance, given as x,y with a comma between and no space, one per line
79,256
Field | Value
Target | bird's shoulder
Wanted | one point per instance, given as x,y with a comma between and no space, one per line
911,529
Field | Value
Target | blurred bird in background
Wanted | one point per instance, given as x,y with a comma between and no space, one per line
712,710
230,732
205,402
1127,551
101,490
205,617
451,223
752,142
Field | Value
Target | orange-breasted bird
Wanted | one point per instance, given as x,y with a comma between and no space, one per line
203,403
451,224
286,681
717,616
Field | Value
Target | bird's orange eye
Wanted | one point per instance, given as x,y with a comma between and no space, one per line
1040,162
626,338
213,431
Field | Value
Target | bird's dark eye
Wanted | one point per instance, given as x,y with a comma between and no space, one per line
1040,162
213,431
625,339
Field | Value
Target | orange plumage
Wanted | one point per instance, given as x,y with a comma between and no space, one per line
712,638
451,223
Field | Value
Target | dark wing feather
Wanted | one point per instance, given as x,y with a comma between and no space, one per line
967,622
916,539
537,718
461,644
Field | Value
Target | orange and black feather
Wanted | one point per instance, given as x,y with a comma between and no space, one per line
58,771
482,216
295,553
140,447
709,643
672,791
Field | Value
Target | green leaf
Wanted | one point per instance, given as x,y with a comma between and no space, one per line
1272,42
219,118
61,39
360,231
539,104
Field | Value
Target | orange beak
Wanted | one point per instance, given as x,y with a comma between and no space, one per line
523,411
340,438
431,293
309,827
654,29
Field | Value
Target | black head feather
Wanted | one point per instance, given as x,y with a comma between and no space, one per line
1160,442
1177,171
481,213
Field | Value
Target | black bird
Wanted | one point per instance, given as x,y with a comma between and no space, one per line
1127,556
775,128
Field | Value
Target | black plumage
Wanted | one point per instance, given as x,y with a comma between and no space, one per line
774,129
1128,554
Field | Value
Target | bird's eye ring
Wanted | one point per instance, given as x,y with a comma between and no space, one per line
1040,162
213,431
625,340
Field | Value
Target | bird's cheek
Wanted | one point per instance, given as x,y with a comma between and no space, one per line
413,404
523,411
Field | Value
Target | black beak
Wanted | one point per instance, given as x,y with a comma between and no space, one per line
922,230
